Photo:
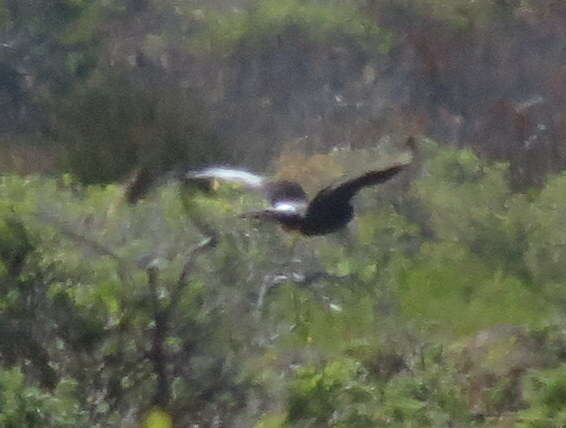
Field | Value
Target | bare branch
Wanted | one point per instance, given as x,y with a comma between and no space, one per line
272,281
162,316
160,331
205,245
67,231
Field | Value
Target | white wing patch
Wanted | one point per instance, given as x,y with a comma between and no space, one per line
285,206
235,175
289,207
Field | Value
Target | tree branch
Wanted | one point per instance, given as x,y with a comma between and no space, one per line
205,245
98,248
304,280
162,315
157,353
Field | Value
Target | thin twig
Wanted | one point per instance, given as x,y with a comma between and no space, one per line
304,280
206,245
67,231
162,315
157,353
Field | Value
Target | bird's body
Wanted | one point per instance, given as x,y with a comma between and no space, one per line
326,216
329,211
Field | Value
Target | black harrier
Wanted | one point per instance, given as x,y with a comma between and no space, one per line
329,211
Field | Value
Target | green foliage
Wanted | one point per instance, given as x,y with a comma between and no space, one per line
272,19
105,116
545,393
27,406
462,14
343,393
336,394
477,261
106,312
345,330
426,399
157,418
117,124
84,28
546,233
454,291
4,16
468,203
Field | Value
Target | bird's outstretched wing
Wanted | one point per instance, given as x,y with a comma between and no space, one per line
282,195
348,189
244,178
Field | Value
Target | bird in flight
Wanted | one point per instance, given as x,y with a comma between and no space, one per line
329,211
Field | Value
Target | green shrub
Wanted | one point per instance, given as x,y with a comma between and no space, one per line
268,20
545,393
27,406
349,329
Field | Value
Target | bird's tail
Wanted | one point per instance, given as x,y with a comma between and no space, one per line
262,215
288,220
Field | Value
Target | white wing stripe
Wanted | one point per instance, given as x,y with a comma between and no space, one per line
289,206
227,174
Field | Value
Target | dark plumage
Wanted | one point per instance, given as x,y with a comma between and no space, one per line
329,211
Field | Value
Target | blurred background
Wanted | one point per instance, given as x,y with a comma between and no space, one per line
441,306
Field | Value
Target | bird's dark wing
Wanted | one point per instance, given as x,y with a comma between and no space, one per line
330,209
348,189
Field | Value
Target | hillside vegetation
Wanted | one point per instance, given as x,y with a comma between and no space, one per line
444,306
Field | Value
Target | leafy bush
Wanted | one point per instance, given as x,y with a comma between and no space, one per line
545,392
270,19
117,124
27,406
